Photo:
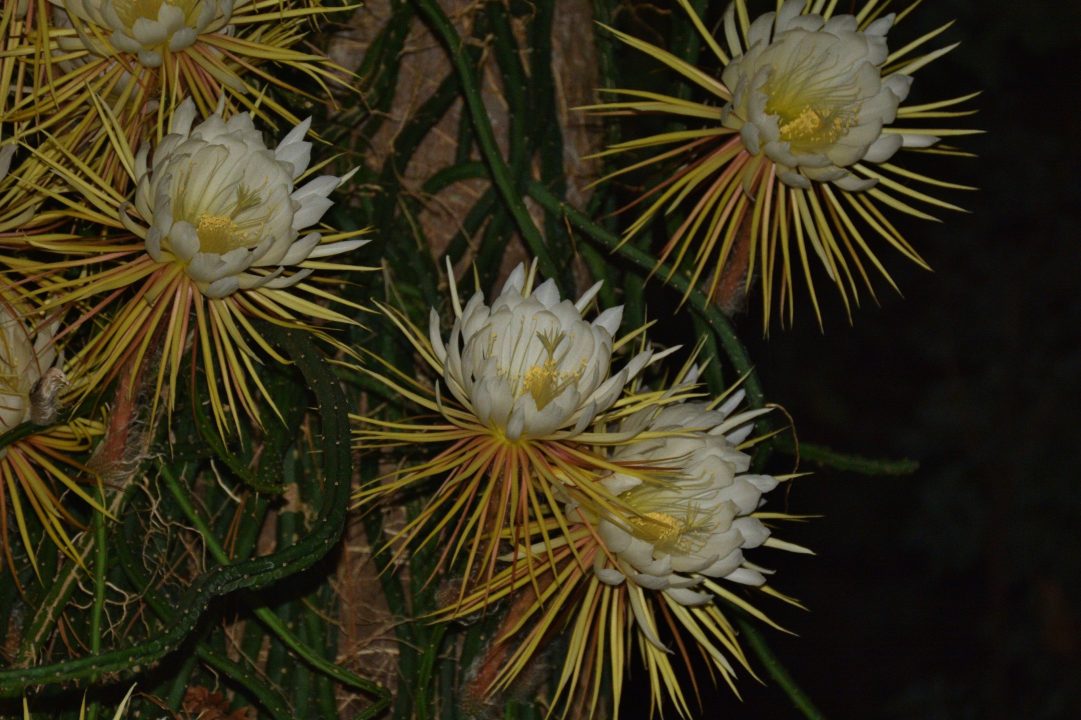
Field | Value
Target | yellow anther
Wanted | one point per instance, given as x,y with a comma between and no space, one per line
219,234
813,125
657,527
544,383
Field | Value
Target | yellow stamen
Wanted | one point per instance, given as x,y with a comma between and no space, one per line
545,382
219,234
815,125
658,527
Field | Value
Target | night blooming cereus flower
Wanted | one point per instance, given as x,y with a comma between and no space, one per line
530,366
526,376
695,526
665,561
139,54
793,158
37,456
813,100
222,235
149,29
223,206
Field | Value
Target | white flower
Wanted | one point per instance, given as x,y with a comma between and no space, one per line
222,204
698,522
25,355
809,94
529,366
148,28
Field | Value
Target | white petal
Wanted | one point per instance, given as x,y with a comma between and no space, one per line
277,282
604,396
899,85
794,179
301,249
547,293
516,424
515,281
311,212
761,29
883,148
840,24
764,483
435,336
153,244
650,582
184,240
222,288
609,576
587,296
182,38
753,531
615,538
881,26
808,23
337,248
691,598
751,136
610,320
587,413
297,134
918,141
125,43
746,576
320,186
781,153
825,174
149,58
729,563
182,117
297,156
150,33
788,12
619,483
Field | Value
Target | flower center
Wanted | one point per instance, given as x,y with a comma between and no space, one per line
814,125
545,382
684,533
223,229
131,10
657,527
219,234
812,90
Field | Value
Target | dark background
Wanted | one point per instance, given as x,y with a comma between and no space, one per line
953,592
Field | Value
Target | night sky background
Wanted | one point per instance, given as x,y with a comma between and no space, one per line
954,592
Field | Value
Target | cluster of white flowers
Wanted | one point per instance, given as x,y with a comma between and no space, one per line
530,367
